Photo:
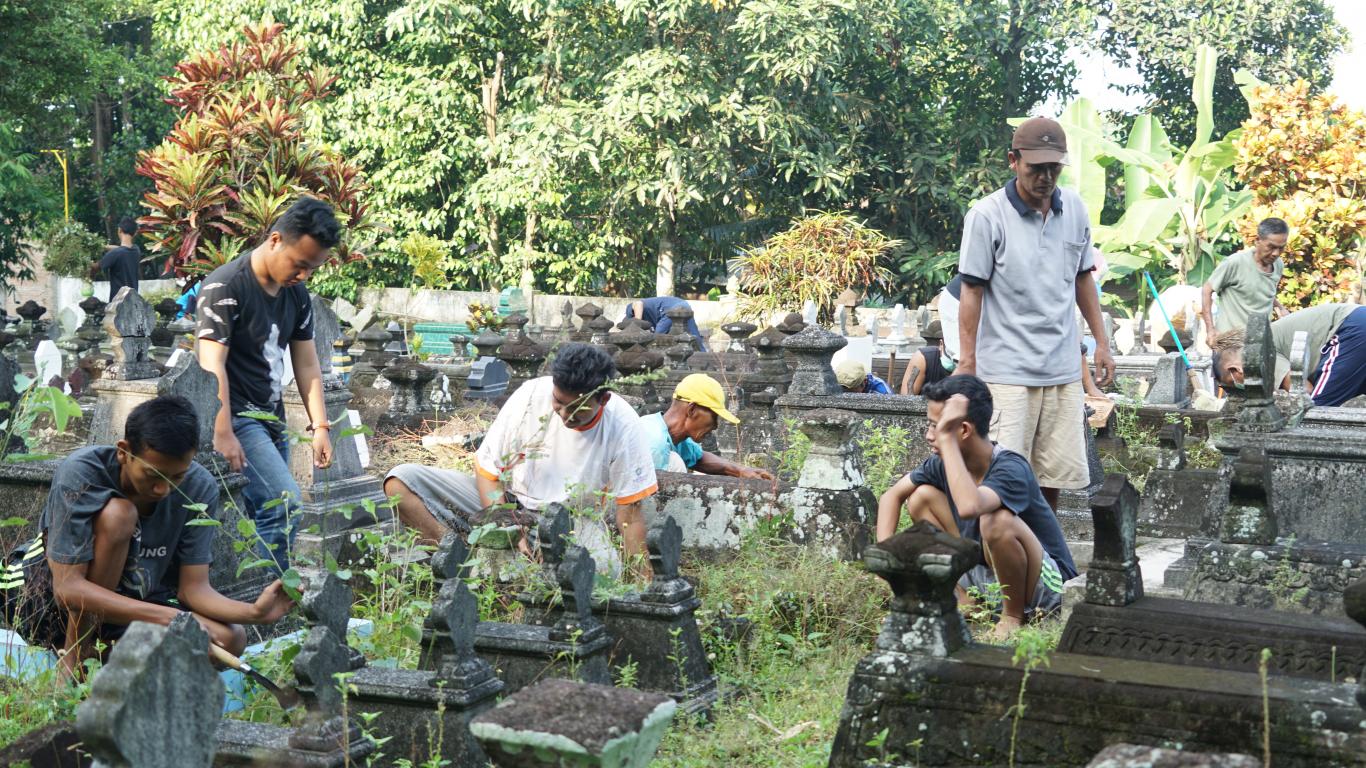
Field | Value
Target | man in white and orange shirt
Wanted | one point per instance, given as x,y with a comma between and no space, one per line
560,438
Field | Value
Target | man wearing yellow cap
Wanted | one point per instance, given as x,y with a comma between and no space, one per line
673,436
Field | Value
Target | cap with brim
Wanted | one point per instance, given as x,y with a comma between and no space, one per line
701,389
934,331
1040,140
850,373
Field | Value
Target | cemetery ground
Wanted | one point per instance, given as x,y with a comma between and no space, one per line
783,623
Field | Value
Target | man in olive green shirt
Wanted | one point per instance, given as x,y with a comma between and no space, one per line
1335,342
1246,282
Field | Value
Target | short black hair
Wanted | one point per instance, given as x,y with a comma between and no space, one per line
1272,226
309,216
127,226
971,387
167,424
581,368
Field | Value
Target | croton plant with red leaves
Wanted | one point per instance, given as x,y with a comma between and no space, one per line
237,157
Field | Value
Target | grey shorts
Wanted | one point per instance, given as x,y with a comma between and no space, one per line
452,497
1047,596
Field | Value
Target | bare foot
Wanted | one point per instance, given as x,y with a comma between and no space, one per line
1004,628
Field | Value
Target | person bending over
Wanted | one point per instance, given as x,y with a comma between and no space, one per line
698,406
855,379
561,438
1336,342
653,311
119,541
250,310
974,488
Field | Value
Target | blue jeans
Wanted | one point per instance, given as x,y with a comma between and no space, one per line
268,479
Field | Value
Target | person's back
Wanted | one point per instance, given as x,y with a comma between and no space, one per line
121,264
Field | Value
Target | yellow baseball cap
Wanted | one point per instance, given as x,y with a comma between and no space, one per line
701,389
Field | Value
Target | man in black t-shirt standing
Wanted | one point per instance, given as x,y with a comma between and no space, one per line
974,488
123,538
120,265
249,310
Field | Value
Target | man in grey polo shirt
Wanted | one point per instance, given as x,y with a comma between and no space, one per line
1026,265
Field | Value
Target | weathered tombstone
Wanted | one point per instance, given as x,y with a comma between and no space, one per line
656,630
156,702
813,348
489,376
129,321
523,355
328,735
1170,382
832,505
909,695
372,356
47,363
1113,577
1180,501
326,602
408,382
1299,360
562,723
418,710
587,314
1255,403
575,643
810,313
397,345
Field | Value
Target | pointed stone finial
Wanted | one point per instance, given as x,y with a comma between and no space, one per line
922,565
1255,403
454,617
576,575
451,558
1114,577
327,602
324,656
157,702
557,525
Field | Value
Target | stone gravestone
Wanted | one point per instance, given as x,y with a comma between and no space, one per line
1140,756
813,348
129,321
1170,382
409,404
1255,404
47,364
156,702
328,735
562,723
489,376
335,501
656,630
832,505
910,695
326,602
416,709
574,644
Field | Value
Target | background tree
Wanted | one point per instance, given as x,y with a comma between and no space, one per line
237,157
1276,40
1302,157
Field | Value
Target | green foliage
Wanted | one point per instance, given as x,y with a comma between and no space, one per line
884,451
1179,206
815,259
1277,40
237,156
71,249
26,202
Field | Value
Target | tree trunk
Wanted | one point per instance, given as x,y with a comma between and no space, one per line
664,269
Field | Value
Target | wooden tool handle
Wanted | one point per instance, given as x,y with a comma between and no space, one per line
222,656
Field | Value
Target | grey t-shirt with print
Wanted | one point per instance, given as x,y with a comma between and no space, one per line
86,480
1243,289
1028,264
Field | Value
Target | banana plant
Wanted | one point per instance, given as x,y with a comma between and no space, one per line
1177,204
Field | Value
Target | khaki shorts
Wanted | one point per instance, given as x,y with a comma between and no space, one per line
1043,424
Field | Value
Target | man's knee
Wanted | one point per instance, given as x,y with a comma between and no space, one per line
924,499
999,526
395,487
118,519
236,638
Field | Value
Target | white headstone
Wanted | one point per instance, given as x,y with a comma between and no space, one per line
809,312
897,337
47,361
362,448
174,358
70,318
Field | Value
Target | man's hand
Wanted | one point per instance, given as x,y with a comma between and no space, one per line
1105,366
1210,336
753,473
273,603
226,443
322,447
954,414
